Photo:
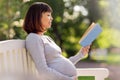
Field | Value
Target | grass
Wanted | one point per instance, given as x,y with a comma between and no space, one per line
113,58
86,78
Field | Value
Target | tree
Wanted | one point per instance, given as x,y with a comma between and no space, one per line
71,19
9,13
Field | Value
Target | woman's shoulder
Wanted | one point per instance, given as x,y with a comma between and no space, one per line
33,37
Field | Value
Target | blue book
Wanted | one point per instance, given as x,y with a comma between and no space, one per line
90,34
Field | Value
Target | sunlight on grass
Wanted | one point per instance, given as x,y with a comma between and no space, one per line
113,58
110,58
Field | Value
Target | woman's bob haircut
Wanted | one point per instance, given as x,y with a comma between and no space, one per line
32,21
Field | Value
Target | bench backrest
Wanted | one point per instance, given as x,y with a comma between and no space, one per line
14,59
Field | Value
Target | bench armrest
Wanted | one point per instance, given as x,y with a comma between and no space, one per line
98,73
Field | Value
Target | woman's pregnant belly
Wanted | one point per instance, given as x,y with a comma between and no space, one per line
64,66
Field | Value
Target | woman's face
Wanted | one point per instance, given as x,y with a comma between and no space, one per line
46,20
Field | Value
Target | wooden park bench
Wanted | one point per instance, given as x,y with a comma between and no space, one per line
15,59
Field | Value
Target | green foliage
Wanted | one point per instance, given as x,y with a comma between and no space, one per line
68,24
9,13
20,34
108,38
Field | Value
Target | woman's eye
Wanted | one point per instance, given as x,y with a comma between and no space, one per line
48,15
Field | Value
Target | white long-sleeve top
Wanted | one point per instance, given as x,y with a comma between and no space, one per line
47,57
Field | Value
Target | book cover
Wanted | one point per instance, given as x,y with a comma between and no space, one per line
90,34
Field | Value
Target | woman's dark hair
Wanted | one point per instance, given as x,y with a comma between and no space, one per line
32,21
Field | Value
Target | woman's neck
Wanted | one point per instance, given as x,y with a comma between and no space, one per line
40,33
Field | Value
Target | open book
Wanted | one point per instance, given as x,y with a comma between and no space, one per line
90,34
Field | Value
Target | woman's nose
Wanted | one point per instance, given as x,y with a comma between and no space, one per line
51,18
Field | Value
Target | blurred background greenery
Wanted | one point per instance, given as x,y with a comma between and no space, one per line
71,19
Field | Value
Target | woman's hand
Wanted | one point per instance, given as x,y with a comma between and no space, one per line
85,50
75,77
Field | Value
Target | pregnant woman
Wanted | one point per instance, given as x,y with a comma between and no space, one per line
46,54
